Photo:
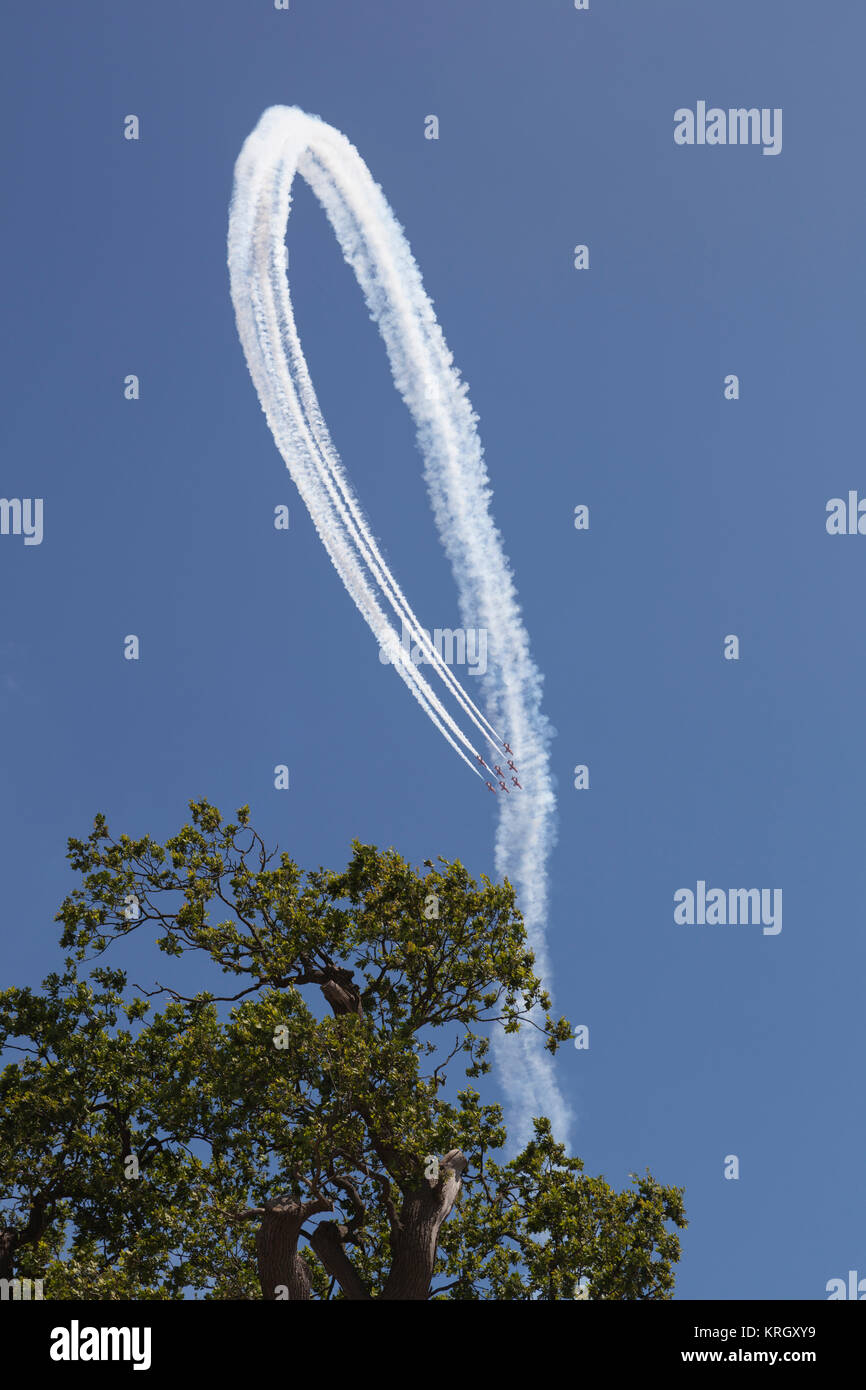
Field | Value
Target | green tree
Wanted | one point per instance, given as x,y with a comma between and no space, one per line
296,1136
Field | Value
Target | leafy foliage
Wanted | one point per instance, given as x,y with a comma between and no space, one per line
137,1147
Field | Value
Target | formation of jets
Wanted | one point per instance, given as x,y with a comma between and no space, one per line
501,776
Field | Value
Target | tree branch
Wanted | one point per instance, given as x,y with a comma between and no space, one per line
327,1241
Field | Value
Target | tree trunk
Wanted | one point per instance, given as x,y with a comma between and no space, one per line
283,1273
8,1245
413,1246
13,1238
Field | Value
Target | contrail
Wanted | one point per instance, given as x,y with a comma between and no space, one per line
326,461
264,314
267,330
287,141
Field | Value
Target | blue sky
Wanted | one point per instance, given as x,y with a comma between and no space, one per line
602,387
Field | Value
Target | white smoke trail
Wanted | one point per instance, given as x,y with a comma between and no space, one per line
266,327
287,140
326,462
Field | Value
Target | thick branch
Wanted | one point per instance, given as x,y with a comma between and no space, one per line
283,1273
327,1241
14,1238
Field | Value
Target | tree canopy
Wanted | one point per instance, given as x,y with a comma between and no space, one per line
301,1135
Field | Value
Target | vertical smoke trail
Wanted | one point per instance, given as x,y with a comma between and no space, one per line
286,141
